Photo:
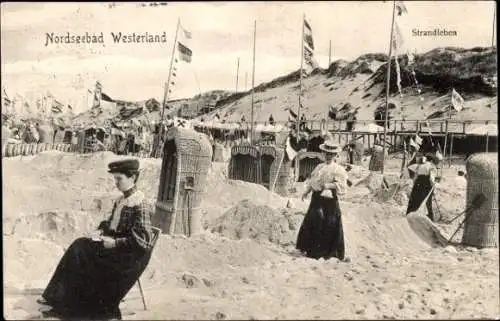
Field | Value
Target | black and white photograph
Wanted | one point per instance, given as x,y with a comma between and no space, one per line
253,160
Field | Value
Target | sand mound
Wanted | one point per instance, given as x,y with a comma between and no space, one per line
223,193
54,226
258,222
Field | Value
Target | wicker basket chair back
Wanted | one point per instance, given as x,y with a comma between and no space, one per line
307,161
481,228
187,158
244,164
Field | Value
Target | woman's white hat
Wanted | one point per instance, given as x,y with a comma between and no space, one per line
329,146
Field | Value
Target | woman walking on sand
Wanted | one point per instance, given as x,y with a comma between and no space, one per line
321,234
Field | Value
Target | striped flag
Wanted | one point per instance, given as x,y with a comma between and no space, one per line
185,53
308,44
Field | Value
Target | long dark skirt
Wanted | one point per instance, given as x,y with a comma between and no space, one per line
419,192
321,233
90,281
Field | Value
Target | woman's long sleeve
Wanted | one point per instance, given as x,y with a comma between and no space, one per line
140,235
104,225
341,182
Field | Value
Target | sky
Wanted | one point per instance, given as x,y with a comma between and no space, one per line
221,32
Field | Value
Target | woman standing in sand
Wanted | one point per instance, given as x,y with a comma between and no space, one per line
423,186
96,273
321,234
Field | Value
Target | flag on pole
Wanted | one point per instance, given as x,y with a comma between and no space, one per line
291,153
186,33
27,108
39,107
308,37
397,38
57,107
293,115
6,102
97,94
456,100
185,53
308,44
400,8
397,42
106,98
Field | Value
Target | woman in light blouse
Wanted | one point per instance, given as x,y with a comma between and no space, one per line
96,272
423,186
321,234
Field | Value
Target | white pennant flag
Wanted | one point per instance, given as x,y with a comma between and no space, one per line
397,42
456,100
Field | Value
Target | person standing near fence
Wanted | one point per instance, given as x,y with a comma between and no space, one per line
74,141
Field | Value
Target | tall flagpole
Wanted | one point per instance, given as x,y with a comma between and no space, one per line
237,73
300,72
199,91
387,86
494,20
253,79
165,95
330,54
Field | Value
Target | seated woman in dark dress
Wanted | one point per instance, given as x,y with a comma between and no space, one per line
96,273
321,234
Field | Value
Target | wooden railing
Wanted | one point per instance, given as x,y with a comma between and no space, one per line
435,126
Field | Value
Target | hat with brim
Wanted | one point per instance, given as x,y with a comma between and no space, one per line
124,166
330,147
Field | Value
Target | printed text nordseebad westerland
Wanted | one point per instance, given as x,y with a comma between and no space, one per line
114,37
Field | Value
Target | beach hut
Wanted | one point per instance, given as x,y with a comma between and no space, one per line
244,164
275,169
481,226
307,161
187,157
